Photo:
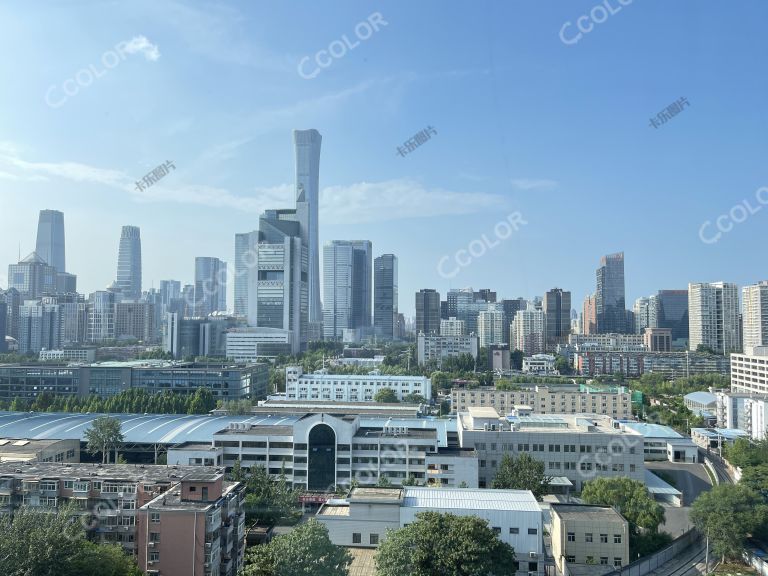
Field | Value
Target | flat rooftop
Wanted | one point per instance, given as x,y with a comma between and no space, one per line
587,512
379,433
470,498
171,500
195,446
652,430
334,510
121,472
380,494
482,412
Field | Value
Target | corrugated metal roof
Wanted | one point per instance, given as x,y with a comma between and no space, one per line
701,397
471,499
652,430
656,485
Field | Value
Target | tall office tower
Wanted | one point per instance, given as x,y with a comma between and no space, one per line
444,310
13,302
50,239
466,305
129,263
307,148
385,322
511,307
452,327
755,316
32,277
135,320
188,299
485,294
609,297
672,313
528,331
557,309
645,311
589,316
428,311
713,313
278,287
101,316
210,286
170,290
74,320
245,255
490,326
39,326
346,286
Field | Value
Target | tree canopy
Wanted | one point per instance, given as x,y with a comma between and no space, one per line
385,395
305,550
727,514
444,545
45,542
630,497
525,473
268,499
105,434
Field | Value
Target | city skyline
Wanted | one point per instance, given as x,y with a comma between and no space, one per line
235,160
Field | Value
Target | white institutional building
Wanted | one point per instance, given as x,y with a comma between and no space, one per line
351,387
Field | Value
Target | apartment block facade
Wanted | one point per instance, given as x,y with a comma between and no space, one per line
351,387
432,348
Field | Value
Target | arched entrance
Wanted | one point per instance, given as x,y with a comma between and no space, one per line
321,468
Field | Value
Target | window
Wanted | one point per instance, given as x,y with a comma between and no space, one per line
155,517
617,562
374,539
570,559
154,556
154,536
68,484
514,530
482,463
603,538
588,537
571,537
496,530
533,531
604,560
357,538
617,538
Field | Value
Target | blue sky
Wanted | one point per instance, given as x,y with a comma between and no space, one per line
525,122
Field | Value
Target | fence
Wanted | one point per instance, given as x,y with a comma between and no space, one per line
650,563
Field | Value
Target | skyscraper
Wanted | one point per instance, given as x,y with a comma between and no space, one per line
672,313
557,308
307,149
32,277
755,316
645,311
385,313
490,325
346,286
129,263
428,311
713,313
50,239
210,286
245,246
528,331
609,297
589,316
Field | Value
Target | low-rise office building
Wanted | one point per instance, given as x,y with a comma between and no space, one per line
576,447
583,534
30,451
434,348
351,387
69,354
635,364
543,364
363,518
749,372
615,402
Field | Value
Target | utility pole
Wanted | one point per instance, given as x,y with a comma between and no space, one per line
706,556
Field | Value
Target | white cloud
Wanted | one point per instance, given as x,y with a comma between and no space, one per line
533,184
141,44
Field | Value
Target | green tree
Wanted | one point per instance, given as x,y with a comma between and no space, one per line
630,497
105,434
525,473
562,365
516,359
268,500
444,545
306,550
414,398
101,560
385,395
756,478
727,514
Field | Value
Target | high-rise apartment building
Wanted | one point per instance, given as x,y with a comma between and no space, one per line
672,313
511,307
452,327
645,313
428,311
755,316
50,239
307,149
39,326
610,302
245,249
129,263
490,326
210,286
385,322
528,331
557,308
713,313
101,316
346,286
589,316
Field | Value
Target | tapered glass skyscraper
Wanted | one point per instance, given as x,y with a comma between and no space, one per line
50,239
609,296
129,263
307,149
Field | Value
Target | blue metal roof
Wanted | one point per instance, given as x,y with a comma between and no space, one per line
652,430
137,428
701,397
